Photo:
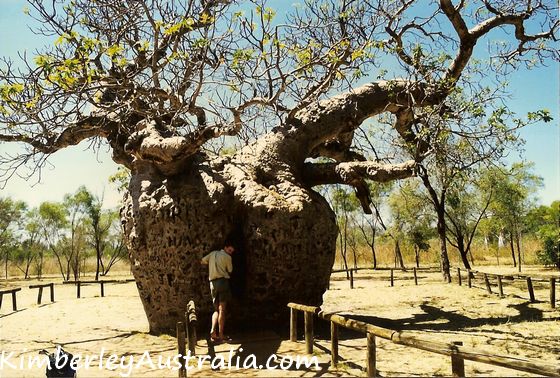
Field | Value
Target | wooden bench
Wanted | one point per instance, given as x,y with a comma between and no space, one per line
13,292
101,283
40,293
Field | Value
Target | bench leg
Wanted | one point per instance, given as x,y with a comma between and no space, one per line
14,303
1,295
102,289
78,289
39,295
52,292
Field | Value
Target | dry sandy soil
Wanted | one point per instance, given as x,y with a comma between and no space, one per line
115,324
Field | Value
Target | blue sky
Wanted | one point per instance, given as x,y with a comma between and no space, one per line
72,167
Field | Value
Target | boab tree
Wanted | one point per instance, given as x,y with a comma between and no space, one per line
161,81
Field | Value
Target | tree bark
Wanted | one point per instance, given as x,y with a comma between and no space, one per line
463,252
518,244
512,249
398,255
372,246
444,259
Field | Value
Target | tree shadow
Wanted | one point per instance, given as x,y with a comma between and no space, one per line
436,319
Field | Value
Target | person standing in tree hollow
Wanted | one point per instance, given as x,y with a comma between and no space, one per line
219,271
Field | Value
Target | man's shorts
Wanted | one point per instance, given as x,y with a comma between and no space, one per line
220,291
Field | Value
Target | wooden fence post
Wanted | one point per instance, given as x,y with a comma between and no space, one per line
392,283
500,286
308,316
293,324
334,344
351,279
469,278
102,289
52,292
552,292
415,277
530,289
191,320
457,363
459,276
39,295
78,289
181,348
14,303
487,282
371,357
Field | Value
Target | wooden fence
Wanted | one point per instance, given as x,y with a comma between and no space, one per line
186,336
41,287
101,283
351,272
501,279
470,275
456,351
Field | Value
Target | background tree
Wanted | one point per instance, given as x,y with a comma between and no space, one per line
549,232
412,216
54,221
31,251
512,201
161,81
344,204
115,248
11,216
467,206
368,224
76,206
99,223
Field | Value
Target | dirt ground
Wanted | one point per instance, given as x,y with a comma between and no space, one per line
116,325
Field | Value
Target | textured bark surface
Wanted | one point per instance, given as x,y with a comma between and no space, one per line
284,234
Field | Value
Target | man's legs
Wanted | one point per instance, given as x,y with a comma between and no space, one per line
221,318
215,316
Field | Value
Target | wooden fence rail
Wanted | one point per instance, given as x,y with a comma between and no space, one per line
471,274
456,351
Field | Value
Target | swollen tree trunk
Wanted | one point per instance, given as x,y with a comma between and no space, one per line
284,234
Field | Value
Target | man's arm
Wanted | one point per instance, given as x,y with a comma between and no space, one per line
205,260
